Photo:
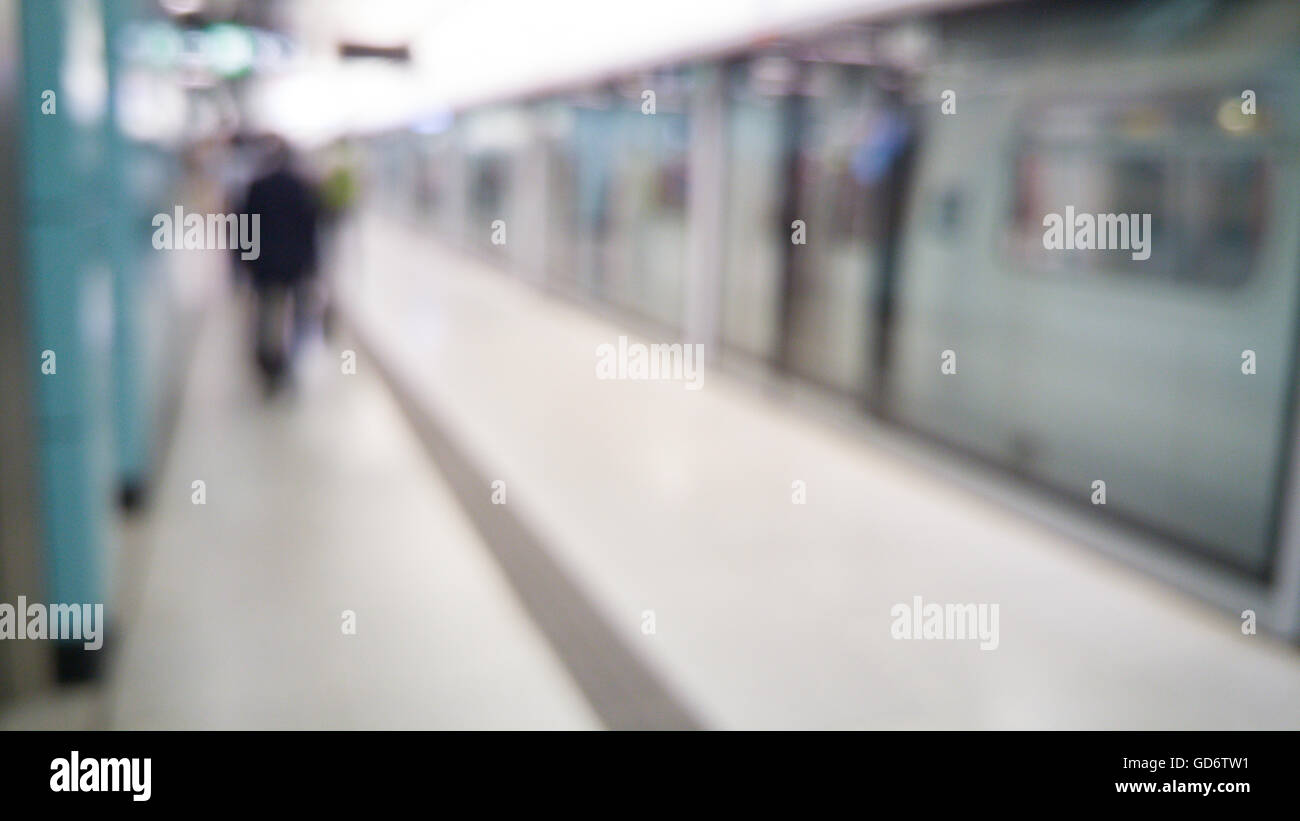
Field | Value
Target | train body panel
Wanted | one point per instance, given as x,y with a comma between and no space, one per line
881,221
1130,372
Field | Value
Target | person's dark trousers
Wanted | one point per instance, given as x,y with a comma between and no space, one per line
308,309
274,321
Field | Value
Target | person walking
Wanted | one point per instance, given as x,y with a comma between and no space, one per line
281,274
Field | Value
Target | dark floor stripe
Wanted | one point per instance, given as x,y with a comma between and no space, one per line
625,693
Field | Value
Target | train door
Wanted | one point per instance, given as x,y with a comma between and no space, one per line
1125,360
848,139
755,238
647,261
1160,335
594,138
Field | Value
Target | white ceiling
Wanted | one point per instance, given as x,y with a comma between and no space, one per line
468,51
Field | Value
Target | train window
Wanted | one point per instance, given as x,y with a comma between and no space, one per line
1224,208
1205,191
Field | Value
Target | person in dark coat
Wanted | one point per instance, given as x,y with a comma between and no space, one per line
289,212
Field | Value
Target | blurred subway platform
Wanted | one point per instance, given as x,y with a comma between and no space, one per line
472,508
773,614
317,502
648,499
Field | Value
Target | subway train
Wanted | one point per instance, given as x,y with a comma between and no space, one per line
860,208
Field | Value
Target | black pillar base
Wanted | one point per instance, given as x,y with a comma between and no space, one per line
74,664
131,494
